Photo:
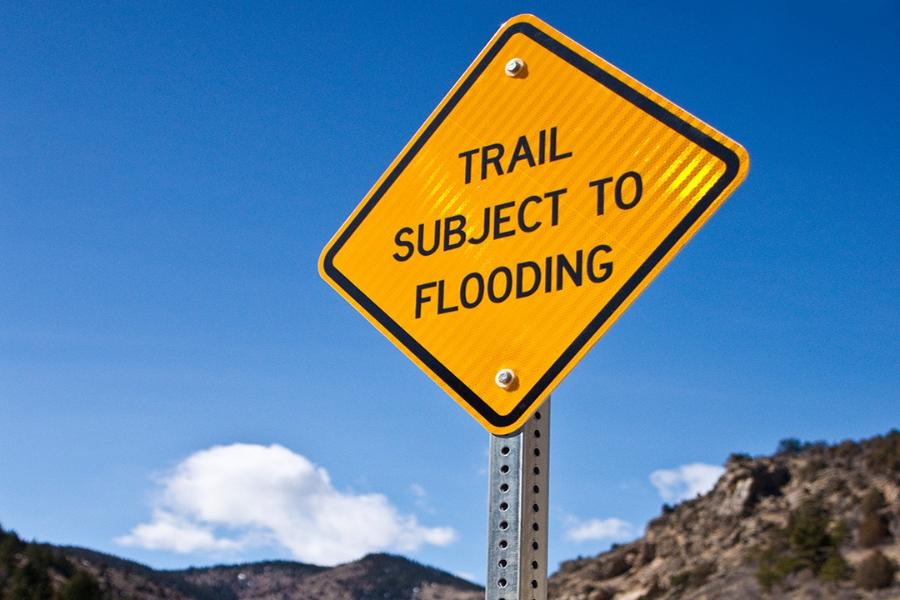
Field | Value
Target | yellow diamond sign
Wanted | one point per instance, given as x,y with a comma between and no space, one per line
534,205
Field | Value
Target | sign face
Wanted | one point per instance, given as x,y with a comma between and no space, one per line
538,200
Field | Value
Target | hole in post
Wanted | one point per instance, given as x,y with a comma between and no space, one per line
504,525
504,469
537,433
534,545
504,506
504,487
534,583
535,526
537,415
501,582
535,508
536,489
537,451
537,470
503,544
502,564
504,450
534,564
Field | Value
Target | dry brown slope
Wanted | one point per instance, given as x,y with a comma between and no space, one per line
801,523
381,576
376,576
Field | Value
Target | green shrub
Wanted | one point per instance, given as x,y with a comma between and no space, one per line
872,501
873,529
875,571
847,449
808,542
884,456
795,446
739,457
692,578
839,532
808,536
29,583
789,446
835,568
10,546
28,570
773,566
81,587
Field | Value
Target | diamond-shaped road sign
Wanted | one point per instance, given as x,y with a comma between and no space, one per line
541,196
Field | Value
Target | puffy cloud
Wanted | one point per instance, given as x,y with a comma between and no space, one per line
578,530
686,481
228,498
168,531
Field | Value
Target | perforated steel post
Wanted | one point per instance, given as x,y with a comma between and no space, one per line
517,513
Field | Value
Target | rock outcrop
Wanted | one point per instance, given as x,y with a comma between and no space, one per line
800,524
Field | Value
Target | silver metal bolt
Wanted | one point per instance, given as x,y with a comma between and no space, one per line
514,67
505,378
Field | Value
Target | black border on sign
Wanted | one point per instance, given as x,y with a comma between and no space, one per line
729,157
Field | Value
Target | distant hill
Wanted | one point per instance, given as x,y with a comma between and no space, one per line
31,571
812,521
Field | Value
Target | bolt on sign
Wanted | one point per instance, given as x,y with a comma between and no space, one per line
538,200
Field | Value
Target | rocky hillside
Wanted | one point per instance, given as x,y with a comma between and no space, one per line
376,576
813,521
30,571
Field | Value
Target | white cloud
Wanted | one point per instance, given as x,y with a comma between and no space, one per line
686,481
421,501
578,530
418,490
168,531
229,498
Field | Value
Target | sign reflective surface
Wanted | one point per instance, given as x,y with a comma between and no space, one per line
534,205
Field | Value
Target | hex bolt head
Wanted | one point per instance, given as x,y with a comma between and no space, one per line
514,67
505,378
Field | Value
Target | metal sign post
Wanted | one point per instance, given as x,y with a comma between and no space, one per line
536,202
517,511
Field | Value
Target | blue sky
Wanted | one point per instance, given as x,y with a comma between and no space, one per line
169,175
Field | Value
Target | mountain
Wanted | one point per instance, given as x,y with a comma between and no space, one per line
812,521
376,576
30,571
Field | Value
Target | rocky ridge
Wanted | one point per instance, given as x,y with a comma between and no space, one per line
812,521
30,571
